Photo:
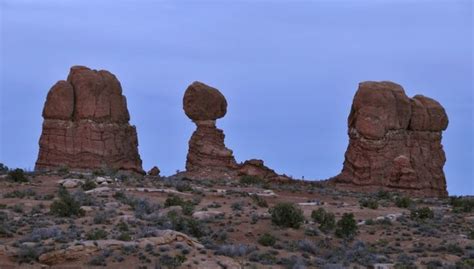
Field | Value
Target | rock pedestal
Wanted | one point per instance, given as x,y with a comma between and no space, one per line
208,157
86,125
394,142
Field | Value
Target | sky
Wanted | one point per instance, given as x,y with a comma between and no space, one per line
289,71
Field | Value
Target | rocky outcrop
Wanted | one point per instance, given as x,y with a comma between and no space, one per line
86,125
208,157
395,142
258,169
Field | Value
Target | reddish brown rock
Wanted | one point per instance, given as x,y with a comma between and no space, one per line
257,168
208,157
202,102
155,171
395,142
86,125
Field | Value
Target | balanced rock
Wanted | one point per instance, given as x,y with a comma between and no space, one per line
208,157
394,142
86,125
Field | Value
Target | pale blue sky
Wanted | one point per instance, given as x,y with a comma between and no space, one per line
289,70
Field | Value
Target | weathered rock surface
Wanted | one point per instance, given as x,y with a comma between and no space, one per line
154,171
79,250
257,168
86,125
208,157
203,102
395,142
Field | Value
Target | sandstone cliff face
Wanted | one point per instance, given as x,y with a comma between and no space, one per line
86,125
395,142
208,157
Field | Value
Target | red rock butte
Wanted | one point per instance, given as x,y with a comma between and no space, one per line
394,142
86,125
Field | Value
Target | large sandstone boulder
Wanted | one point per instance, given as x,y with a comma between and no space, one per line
86,125
202,102
395,142
208,157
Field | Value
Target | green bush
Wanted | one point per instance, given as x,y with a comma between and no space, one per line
403,202
66,206
369,203
267,240
250,180
346,226
187,206
462,204
326,220
287,215
17,175
89,185
383,195
261,202
96,234
422,213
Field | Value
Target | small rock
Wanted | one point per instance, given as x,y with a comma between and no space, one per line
204,215
155,171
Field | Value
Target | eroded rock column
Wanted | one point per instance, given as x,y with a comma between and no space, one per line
394,142
86,125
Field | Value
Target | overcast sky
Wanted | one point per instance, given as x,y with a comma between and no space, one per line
289,71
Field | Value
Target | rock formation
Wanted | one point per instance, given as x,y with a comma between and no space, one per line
86,125
395,142
208,157
257,168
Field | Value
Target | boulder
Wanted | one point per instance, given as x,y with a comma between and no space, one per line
203,102
86,125
394,142
155,172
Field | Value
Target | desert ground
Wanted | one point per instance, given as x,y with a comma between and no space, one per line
111,220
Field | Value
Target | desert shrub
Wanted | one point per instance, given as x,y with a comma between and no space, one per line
383,195
306,245
267,240
96,234
17,175
237,206
182,224
171,262
66,206
89,185
261,202
101,259
187,206
403,202
346,226
369,203
3,168
237,250
125,236
27,254
104,217
422,213
470,235
462,204
267,258
326,220
20,194
39,234
183,186
250,180
287,215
